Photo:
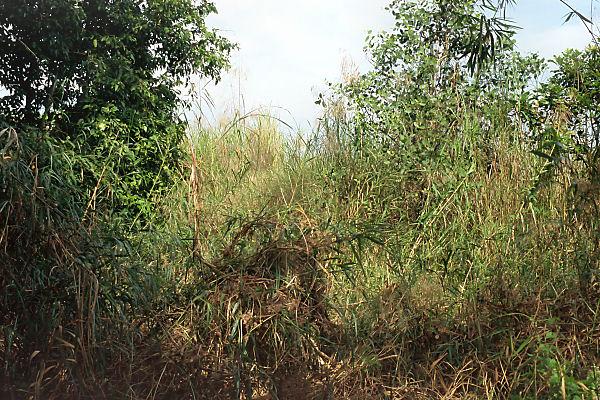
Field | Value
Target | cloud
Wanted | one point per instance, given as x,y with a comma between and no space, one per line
554,40
288,49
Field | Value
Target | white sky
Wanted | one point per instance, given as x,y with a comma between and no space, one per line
289,49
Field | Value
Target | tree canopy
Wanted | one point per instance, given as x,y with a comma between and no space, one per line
103,77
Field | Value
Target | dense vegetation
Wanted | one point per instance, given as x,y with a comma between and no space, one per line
436,236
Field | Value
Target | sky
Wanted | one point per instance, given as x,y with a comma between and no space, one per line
289,49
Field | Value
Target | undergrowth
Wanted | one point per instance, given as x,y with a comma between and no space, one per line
299,272
435,236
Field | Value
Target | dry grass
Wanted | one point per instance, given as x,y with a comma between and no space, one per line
288,272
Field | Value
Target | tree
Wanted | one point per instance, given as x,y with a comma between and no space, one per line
563,113
439,52
102,77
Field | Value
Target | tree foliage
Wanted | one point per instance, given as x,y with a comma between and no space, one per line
102,77
440,57
563,113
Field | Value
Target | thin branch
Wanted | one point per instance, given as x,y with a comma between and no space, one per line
586,22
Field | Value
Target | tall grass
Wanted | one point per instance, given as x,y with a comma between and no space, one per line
286,267
456,271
